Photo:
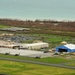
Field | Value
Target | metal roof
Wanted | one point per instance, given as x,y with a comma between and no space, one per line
34,44
70,46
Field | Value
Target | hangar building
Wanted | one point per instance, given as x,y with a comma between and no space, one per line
66,48
35,46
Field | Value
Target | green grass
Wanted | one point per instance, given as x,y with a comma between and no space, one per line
20,68
55,60
27,41
56,39
4,26
71,64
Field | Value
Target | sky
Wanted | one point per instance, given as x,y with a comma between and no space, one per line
38,9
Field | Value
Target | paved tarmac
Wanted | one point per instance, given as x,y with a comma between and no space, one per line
29,53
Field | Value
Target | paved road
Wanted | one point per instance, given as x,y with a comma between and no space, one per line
40,63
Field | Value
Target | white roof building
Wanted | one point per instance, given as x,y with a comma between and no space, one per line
70,46
34,45
8,44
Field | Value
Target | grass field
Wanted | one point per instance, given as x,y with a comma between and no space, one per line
4,26
55,60
19,68
71,64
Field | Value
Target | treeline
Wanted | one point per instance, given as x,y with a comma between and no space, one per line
42,24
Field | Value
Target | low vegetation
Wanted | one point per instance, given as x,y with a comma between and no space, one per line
4,26
43,26
71,64
53,60
19,68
